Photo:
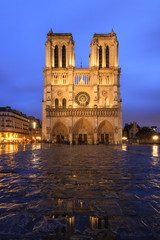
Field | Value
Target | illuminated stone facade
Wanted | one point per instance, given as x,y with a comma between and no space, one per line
82,105
14,125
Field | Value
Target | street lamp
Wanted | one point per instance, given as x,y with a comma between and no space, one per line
34,125
155,137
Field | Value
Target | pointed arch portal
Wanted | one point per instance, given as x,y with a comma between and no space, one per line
59,133
83,132
105,132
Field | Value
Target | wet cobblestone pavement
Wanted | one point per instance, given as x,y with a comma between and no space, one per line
79,192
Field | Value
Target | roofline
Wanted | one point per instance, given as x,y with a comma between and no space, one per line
59,34
104,35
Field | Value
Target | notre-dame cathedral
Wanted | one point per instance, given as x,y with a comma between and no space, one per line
82,105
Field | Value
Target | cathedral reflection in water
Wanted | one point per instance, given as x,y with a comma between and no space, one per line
79,216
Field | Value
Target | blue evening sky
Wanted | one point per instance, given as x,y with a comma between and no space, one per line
24,25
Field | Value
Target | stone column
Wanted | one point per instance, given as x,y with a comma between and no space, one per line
46,45
70,138
53,56
70,54
111,56
73,56
48,54
96,56
92,55
116,55
95,138
67,56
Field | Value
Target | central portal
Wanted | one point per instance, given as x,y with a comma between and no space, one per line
83,132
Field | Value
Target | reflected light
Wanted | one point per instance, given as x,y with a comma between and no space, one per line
8,148
155,150
36,146
124,147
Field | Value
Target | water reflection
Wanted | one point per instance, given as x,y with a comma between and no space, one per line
77,192
14,147
124,147
79,216
155,150
8,148
36,146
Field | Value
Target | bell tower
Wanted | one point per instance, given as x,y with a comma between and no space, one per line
104,51
59,50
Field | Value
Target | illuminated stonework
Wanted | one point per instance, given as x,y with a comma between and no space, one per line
82,105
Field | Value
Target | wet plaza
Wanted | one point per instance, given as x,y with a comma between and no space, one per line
79,192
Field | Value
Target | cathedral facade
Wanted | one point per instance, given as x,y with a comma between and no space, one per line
82,105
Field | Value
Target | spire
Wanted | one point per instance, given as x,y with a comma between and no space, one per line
81,62
50,32
112,32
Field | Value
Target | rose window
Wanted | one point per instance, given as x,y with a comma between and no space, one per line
82,99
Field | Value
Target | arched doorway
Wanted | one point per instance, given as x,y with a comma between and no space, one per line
105,132
82,132
59,133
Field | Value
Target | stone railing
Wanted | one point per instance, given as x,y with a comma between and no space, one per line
82,112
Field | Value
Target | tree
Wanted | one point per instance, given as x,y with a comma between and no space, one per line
144,133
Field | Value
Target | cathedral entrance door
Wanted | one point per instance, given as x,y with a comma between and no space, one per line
85,138
102,138
82,139
105,138
60,139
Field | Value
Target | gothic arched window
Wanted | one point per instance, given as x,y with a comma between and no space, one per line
64,102
63,56
56,56
56,103
100,57
107,57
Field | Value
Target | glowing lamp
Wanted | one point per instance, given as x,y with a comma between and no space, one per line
39,138
124,138
34,124
155,137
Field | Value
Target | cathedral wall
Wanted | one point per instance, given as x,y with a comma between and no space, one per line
67,89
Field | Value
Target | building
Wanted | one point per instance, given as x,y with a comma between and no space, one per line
35,128
14,125
130,131
82,105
